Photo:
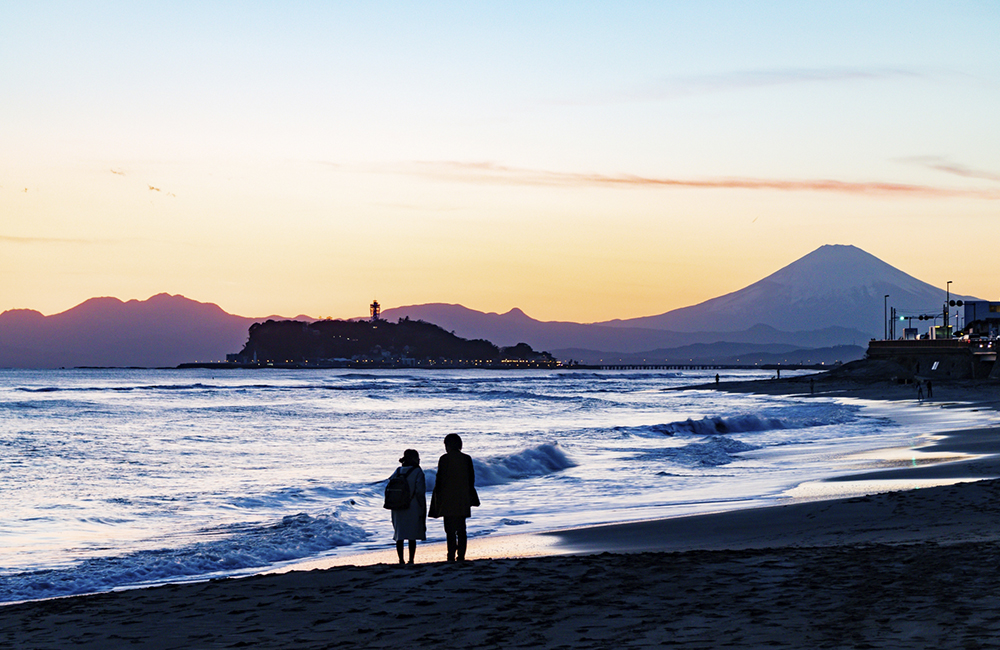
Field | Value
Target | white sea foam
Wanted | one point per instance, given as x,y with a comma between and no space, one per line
798,416
528,463
236,548
713,452
535,461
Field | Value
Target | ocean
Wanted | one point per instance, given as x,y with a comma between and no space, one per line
118,478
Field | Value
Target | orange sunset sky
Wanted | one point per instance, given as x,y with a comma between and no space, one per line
582,161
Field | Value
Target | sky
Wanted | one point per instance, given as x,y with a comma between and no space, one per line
581,161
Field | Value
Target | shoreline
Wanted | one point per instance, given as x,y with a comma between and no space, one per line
739,529
984,393
912,568
574,540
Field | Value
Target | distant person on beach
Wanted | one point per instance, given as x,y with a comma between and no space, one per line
410,524
920,391
930,389
716,379
454,495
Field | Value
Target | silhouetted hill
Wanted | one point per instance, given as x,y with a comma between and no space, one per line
164,330
378,343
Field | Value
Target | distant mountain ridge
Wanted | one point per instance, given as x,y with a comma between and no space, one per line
163,331
720,353
515,327
831,297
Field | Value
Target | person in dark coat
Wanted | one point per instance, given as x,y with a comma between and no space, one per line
454,495
410,524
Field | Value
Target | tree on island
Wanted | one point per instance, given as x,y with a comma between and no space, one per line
524,352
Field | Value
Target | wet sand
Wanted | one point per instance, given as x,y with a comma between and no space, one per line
924,595
982,393
911,569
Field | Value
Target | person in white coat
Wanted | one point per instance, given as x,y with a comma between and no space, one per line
411,524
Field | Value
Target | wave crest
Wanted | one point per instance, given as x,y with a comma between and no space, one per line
243,547
720,425
528,463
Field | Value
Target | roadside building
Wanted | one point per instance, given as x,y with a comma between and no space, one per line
982,318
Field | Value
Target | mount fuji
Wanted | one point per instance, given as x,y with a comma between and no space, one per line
834,285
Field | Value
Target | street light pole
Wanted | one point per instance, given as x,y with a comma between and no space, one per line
946,300
885,316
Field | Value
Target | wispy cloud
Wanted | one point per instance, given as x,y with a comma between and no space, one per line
676,87
156,189
152,188
942,164
8,239
490,173
413,206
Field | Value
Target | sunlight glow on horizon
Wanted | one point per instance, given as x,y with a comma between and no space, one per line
578,161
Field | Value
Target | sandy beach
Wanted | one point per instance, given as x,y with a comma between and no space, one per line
910,569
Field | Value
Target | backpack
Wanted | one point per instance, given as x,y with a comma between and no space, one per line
397,492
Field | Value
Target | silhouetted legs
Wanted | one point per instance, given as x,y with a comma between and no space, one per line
399,550
454,530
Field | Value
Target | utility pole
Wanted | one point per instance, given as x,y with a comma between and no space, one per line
885,316
946,299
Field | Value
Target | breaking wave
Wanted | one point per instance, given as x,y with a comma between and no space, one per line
800,418
528,463
719,425
242,547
